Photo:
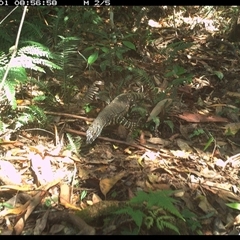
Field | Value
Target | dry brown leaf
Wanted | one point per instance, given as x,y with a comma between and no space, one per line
232,128
184,131
83,173
8,173
31,204
96,198
237,220
159,108
42,168
233,94
127,150
107,183
158,186
226,195
22,188
206,173
183,145
180,154
39,150
15,211
56,228
205,205
41,223
65,194
157,140
197,117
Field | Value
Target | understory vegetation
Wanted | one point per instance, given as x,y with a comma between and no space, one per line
168,165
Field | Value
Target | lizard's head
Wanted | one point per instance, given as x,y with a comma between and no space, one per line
93,132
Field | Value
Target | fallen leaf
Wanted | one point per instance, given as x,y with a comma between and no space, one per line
106,184
96,198
231,128
197,117
205,205
65,192
56,228
41,223
8,173
157,140
233,94
183,145
159,108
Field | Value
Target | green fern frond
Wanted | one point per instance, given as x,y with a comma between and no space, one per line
32,30
22,120
47,53
139,110
5,38
38,114
143,77
17,74
67,49
57,22
3,127
9,88
3,59
74,144
161,199
31,114
35,51
165,222
46,63
27,63
148,221
32,56
136,215
181,45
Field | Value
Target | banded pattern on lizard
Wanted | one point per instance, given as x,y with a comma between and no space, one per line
113,114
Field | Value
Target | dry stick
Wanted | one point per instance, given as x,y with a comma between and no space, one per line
103,138
112,140
69,115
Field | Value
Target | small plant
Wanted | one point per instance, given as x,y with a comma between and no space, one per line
34,57
192,221
154,210
83,195
197,132
179,75
74,144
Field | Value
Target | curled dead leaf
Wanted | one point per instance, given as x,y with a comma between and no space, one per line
106,184
159,108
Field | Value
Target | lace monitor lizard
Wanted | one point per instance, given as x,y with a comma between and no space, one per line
113,113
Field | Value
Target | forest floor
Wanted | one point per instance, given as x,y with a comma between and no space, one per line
194,152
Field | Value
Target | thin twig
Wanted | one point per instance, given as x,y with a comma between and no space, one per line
113,140
69,115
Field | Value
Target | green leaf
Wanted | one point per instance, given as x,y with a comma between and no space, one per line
92,58
210,140
218,74
234,205
136,215
129,45
83,194
9,89
105,49
170,124
119,55
7,205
